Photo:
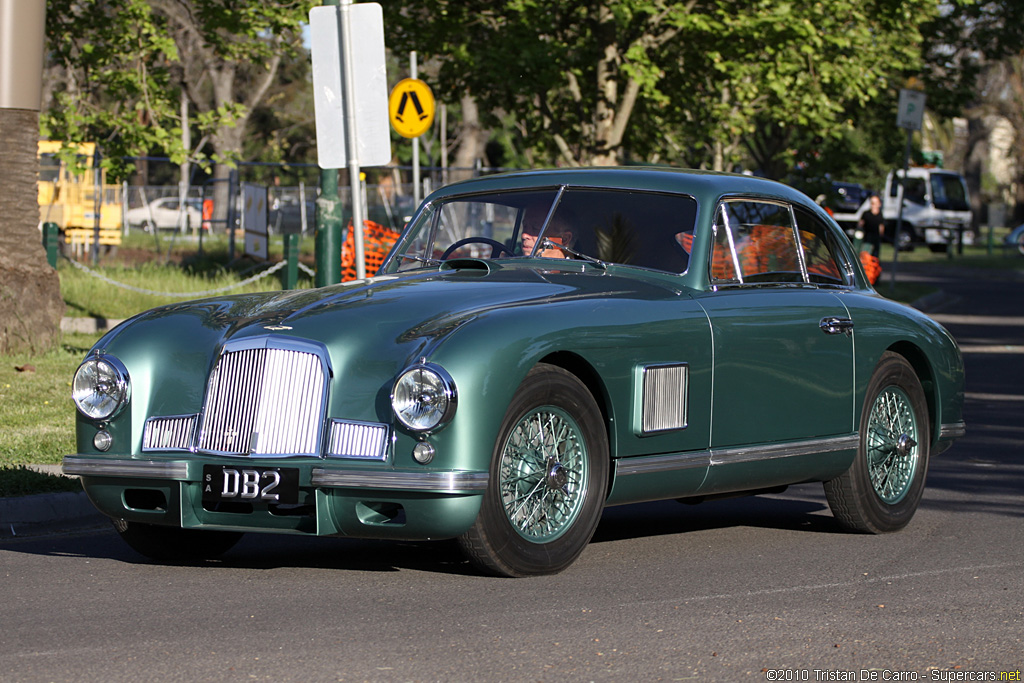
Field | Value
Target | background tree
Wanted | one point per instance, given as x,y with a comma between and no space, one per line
704,82
119,67
975,68
228,58
108,80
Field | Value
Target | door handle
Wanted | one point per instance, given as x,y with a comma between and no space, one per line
833,325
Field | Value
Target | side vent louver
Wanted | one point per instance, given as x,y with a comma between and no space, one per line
664,397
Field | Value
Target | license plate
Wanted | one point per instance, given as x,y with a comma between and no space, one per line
251,484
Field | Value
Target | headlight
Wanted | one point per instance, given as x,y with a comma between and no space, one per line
101,387
424,397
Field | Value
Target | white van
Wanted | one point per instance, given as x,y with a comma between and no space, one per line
936,208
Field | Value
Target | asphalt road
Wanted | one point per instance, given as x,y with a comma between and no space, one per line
763,588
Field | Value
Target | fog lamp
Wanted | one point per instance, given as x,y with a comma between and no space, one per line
423,453
102,440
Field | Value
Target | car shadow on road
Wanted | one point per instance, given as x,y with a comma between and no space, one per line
271,551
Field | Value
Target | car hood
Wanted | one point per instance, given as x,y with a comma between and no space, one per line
378,314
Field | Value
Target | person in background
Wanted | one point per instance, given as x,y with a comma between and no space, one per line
872,224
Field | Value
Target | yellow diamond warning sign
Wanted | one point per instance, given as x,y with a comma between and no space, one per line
411,108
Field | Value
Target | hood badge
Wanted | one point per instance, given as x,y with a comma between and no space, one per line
276,327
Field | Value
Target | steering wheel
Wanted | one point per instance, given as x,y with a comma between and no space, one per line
496,246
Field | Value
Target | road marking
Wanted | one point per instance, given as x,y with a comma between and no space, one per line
997,320
993,397
992,348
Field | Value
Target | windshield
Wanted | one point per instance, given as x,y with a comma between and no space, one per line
645,229
949,192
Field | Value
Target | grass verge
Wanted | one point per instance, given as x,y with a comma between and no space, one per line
22,481
38,416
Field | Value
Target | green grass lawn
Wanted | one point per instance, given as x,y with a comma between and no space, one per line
38,415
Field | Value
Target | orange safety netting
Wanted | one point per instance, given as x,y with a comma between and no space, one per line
872,267
377,242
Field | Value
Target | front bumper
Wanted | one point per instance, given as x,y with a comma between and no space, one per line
347,501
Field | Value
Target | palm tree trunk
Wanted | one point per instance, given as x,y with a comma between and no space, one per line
30,302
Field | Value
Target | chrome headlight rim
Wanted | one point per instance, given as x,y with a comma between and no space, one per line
120,390
442,380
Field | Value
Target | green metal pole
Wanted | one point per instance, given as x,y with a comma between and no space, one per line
290,274
328,230
327,244
51,237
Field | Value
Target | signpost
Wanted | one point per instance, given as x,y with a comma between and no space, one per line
349,95
411,110
909,115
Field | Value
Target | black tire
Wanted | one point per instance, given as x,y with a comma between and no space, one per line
174,544
549,479
883,487
1020,244
938,248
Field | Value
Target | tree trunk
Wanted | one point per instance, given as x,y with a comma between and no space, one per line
31,306
472,141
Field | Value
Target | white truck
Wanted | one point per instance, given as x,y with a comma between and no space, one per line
936,209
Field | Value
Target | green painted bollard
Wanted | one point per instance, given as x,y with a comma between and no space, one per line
290,274
51,240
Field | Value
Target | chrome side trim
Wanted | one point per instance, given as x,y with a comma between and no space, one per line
442,482
953,430
146,469
662,463
729,456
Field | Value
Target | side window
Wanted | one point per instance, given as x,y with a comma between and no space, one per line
755,242
820,253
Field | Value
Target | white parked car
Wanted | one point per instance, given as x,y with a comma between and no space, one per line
164,213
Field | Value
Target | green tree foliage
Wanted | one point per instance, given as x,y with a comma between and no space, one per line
697,82
119,68
976,68
109,78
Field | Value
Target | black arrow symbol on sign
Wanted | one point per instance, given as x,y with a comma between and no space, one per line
415,103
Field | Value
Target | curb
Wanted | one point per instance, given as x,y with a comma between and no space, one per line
47,513
88,325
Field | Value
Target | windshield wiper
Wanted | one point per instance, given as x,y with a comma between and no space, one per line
428,261
554,245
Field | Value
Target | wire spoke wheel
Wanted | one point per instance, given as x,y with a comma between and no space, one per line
892,445
882,488
543,474
548,479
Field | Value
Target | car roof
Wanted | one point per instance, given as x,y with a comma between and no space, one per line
703,185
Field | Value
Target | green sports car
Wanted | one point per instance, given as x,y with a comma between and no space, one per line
536,346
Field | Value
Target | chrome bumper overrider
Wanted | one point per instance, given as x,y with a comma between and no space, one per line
321,477
953,430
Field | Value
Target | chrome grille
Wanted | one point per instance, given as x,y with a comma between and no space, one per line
664,397
357,440
169,433
264,401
